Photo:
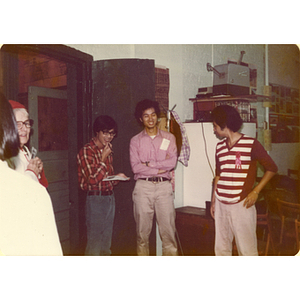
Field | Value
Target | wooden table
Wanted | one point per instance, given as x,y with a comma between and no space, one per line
196,231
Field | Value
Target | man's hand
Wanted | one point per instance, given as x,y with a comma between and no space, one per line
107,150
122,175
250,199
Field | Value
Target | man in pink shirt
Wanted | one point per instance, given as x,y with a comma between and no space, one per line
153,154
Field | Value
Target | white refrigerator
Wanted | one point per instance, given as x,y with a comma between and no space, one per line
198,176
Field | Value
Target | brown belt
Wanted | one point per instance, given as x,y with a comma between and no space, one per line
96,193
155,179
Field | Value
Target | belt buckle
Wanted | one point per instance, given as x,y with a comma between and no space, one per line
151,179
155,180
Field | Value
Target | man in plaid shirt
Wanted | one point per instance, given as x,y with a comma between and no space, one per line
95,163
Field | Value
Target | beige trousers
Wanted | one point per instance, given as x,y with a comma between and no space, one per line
149,198
235,220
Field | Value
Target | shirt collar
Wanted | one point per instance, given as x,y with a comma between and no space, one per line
146,134
93,144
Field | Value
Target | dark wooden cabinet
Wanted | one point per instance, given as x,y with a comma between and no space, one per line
118,85
196,231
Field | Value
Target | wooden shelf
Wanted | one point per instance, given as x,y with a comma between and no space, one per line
252,98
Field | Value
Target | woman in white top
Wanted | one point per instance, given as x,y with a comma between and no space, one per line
27,223
23,162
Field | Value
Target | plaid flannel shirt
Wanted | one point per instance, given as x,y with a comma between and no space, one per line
91,170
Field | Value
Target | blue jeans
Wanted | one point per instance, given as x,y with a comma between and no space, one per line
100,213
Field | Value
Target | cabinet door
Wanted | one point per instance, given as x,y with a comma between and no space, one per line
118,85
49,110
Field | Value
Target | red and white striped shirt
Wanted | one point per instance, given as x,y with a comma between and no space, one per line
236,167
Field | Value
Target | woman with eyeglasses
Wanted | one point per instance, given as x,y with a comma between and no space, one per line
24,162
27,222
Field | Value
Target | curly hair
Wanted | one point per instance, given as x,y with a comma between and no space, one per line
227,116
143,105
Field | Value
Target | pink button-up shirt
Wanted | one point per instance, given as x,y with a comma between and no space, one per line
160,152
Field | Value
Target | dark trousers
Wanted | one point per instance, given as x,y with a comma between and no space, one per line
100,213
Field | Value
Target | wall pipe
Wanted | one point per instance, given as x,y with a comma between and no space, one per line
267,83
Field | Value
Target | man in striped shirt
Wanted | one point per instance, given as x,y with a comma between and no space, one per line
95,163
234,193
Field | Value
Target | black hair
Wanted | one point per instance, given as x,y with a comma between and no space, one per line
105,123
226,115
9,137
143,105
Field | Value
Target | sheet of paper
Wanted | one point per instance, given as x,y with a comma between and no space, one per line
164,144
115,177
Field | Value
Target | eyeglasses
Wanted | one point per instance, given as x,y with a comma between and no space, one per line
28,124
107,133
